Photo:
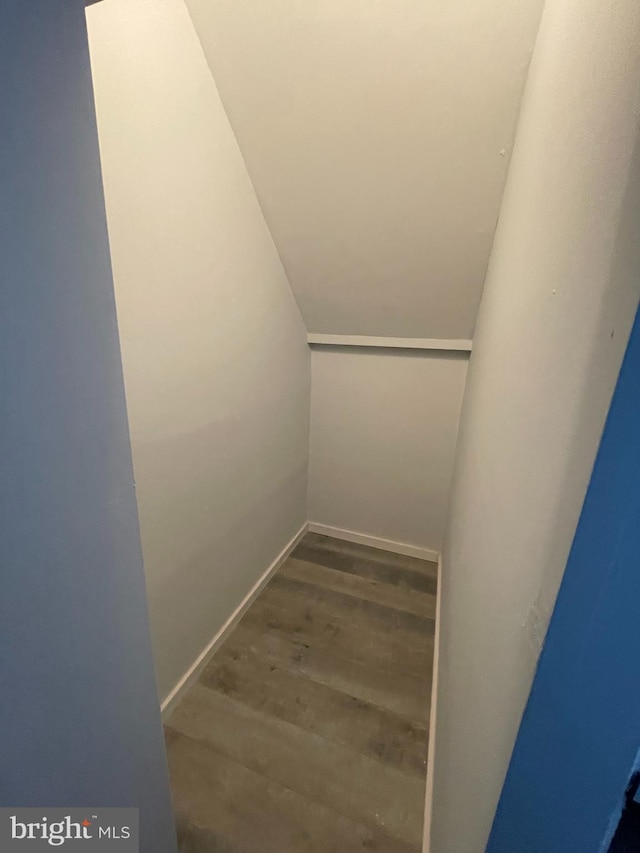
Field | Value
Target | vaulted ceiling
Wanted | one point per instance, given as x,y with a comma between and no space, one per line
377,134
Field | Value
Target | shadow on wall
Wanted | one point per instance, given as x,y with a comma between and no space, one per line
623,274
204,547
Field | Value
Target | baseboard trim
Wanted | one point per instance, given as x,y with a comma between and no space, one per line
431,755
201,661
375,542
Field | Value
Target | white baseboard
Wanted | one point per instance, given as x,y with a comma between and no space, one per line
375,542
431,755
201,661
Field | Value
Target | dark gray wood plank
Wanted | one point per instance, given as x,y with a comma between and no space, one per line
220,802
341,546
387,572
355,637
403,693
385,619
366,589
322,710
349,783
308,730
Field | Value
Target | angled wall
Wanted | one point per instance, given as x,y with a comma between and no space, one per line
561,292
216,362
378,137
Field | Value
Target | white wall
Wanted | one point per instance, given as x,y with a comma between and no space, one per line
383,433
215,359
561,292
378,136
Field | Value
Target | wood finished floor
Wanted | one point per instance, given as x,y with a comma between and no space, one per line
307,731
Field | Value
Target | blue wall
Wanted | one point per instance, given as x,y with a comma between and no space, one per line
580,733
79,718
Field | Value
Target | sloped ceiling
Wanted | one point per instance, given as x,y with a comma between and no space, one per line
377,134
